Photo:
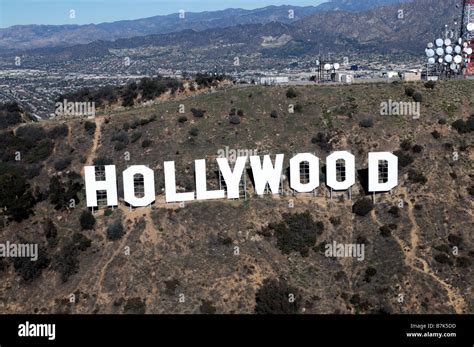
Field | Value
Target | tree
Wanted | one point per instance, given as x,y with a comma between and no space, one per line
50,232
367,122
362,207
409,91
87,220
235,120
16,196
418,97
277,297
90,127
296,232
291,93
30,270
115,231
198,113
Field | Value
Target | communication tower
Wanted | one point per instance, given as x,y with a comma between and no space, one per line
467,33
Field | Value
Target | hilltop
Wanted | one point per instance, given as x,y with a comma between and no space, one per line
248,255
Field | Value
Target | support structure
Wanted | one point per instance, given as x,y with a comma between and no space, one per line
468,36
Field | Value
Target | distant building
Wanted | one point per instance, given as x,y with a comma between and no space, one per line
343,77
272,80
410,76
390,74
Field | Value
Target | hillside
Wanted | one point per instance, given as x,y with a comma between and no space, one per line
151,259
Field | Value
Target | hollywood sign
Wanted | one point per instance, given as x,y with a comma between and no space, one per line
264,174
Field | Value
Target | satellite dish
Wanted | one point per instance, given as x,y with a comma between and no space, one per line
336,66
430,52
464,44
430,45
447,42
457,49
448,58
440,51
470,26
327,67
458,59
431,61
449,50
317,62
440,60
452,66
469,50
439,42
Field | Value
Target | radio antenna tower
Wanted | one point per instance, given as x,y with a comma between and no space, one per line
467,33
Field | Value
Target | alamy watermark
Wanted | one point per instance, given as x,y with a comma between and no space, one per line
75,109
231,154
19,250
400,108
345,250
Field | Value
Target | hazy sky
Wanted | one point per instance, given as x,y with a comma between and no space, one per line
13,12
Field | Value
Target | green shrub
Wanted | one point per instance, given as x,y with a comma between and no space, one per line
235,120
90,127
385,231
120,146
115,231
442,258
87,220
417,177
62,164
394,211
322,140
409,91
404,159
30,270
430,85
435,134
198,113
367,122
291,93
40,152
418,97
121,136
194,131
273,297
417,149
134,306
136,136
59,131
362,207
296,232
405,145
146,143
50,232
461,126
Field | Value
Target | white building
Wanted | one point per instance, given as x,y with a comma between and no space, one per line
271,80
344,77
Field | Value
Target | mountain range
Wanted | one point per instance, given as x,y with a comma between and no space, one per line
377,31
22,37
